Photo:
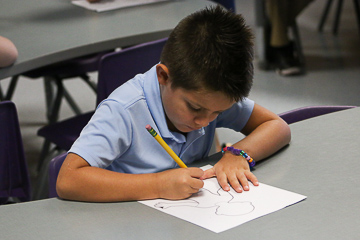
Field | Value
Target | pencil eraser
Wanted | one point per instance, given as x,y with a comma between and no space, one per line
148,127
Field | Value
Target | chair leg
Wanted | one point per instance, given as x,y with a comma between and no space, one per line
43,154
11,89
71,102
92,85
49,95
337,17
2,98
47,153
324,15
357,11
54,115
42,184
53,104
41,190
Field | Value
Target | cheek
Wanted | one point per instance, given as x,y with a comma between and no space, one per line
173,110
212,117
181,114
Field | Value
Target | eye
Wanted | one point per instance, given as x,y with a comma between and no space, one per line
192,108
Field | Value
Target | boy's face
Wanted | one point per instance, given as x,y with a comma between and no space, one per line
187,111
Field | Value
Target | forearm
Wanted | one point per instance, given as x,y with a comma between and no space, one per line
79,181
266,139
263,141
93,184
265,134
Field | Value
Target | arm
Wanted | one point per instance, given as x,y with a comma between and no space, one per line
266,133
8,52
79,181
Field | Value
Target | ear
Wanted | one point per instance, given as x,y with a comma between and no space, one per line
162,73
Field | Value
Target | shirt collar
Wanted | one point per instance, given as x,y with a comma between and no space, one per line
153,98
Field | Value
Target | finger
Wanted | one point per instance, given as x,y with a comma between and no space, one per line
222,179
193,190
208,174
196,184
252,178
196,172
243,181
235,184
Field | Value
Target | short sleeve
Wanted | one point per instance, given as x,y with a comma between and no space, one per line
106,137
237,116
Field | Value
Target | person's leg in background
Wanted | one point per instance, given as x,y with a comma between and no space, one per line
281,55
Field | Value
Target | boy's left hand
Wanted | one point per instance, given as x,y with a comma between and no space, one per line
233,170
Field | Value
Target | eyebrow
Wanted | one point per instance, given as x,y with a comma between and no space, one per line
201,107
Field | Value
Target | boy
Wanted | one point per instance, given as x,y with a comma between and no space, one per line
201,83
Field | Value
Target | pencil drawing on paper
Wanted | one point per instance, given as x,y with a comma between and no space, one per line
212,196
218,210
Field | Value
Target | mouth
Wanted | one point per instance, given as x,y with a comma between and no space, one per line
193,128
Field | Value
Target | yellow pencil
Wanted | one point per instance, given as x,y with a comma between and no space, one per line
165,146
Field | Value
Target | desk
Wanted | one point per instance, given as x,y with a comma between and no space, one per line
47,32
322,162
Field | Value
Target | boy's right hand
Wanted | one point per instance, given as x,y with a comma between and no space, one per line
179,183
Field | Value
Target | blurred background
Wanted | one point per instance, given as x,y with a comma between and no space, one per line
332,77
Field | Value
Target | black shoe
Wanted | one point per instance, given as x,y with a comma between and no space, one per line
283,60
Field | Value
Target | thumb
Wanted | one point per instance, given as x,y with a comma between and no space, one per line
208,173
196,172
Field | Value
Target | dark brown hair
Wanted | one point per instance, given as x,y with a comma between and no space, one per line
211,49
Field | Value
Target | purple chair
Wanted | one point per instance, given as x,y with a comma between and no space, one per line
228,4
14,176
54,168
303,113
54,75
114,69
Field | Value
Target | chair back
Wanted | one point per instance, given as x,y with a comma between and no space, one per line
54,168
228,4
303,113
118,67
14,176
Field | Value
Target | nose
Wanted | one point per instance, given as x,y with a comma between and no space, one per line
202,121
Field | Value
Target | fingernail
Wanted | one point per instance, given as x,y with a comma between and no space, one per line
246,188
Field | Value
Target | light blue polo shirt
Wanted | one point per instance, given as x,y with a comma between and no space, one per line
116,139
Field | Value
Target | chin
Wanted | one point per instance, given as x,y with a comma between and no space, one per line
184,129
190,129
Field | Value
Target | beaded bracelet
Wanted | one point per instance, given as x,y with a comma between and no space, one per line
240,152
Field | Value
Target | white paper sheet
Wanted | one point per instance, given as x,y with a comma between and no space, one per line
106,5
217,210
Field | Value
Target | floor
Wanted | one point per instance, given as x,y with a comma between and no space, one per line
333,78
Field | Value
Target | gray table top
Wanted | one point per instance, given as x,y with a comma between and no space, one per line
47,32
321,162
